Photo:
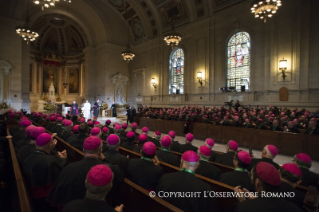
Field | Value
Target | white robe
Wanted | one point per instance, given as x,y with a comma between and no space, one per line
87,111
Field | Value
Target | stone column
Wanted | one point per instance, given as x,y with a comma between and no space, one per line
6,84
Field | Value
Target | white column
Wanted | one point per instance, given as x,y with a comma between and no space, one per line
6,84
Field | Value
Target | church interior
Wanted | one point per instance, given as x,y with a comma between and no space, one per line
166,57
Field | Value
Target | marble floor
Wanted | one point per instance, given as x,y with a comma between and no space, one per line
280,158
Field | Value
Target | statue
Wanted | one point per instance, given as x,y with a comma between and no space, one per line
119,97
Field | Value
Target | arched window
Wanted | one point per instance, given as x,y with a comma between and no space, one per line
238,69
177,60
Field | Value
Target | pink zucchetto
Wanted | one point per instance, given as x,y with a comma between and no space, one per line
134,126
144,129
37,131
142,137
12,115
190,156
210,142
29,129
149,148
25,123
43,139
117,127
25,118
166,141
52,118
292,168
105,129
130,134
91,143
172,134
124,126
303,157
273,150
157,133
115,123
100,175
233,145
76,129
189,137
44,116
97,123
95,131
67,123
112,139
90,123
268,173
244,157
204,150
59,119
108,121
82,120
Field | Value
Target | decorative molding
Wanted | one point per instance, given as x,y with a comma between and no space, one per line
139,71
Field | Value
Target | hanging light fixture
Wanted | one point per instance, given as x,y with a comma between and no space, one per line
48,3
25,32
127,54
172,38
264,9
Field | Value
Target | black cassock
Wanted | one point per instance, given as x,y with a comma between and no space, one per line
96,109
114,110
168,157
237,178
87,204
74,109
70,185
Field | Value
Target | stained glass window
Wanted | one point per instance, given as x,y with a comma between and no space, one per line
177,72
238,70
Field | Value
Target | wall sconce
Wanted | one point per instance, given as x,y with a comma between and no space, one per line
200,78
153,83
283,67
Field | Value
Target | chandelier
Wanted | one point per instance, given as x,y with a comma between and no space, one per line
172,39
48,3
128,56
265,8
26,33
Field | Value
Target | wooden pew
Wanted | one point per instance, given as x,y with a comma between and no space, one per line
24,198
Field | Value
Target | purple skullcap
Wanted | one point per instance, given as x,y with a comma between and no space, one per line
96,123
112,139
292,168
115,123
82,120
19,112
124,126
90,123
52,118
189,137
100,175
76,129
204,150
44,116
130,134
59,119
43,139
25,118
52,114
149,148
190,156
142,137
25,123
268,173
303,157
260,120
273,150
95,131
244,157
166,141
210,142
157,133
29,129
37,131
144,129
108,121
12,115
117,127
67,123
91,143
233,145
172,134
134,126
105,129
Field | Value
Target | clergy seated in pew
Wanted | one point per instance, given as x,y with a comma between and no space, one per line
239,177
51,125
70,185
112,154
142,138
105,133
205,168
107,124
41,169
96,132
66,129
130,138
145,171
227,158
266,178
78,140
210,144
26,140
309,178
185,181
188,144
156,139
133,129
19,133
275,126
74,133
165,155
98,183
175,145
58,126
267,155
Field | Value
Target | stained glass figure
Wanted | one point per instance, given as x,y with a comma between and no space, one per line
238,70
177,72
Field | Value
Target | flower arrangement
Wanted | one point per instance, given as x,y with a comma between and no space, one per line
49,106
118,105
126,105
104,106
3,105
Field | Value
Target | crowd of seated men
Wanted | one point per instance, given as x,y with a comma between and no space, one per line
54,183
264,118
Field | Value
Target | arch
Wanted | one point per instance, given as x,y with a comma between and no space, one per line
238,61
176,71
